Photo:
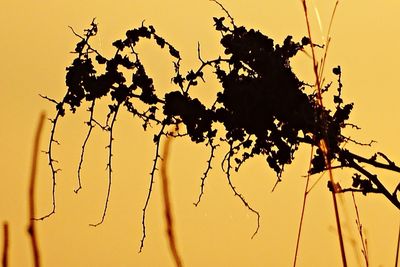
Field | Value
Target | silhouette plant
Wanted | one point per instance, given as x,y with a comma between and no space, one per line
264,108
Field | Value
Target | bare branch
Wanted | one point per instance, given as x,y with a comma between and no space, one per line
348,139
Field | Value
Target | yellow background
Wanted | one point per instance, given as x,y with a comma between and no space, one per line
34,48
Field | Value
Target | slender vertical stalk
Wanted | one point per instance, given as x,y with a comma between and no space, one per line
323,143
303,209
31,196
397,250
314,58
5,245
337,217
360,232
167,205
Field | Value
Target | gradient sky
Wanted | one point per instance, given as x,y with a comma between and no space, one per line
35,45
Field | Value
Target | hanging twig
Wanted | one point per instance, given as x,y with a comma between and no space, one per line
51,159
91,125
109,164
240,196
157,140
205,174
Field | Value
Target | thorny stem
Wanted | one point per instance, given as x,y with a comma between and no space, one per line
109,164
51,160
89,33
202,66
157,139
205,174
91,126
240,196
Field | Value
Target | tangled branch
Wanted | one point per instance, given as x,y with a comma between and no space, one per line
261,106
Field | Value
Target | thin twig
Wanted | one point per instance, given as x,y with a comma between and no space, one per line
205,174
202,66
226,11
303,208
157,140
51,161
328,40
31,195
240,196
314,58
360,232
91,126
324,148
48,99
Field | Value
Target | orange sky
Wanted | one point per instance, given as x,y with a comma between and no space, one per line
35,45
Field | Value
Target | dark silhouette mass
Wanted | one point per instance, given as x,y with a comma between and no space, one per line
264,108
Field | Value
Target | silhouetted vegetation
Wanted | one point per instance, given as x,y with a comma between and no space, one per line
264,108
